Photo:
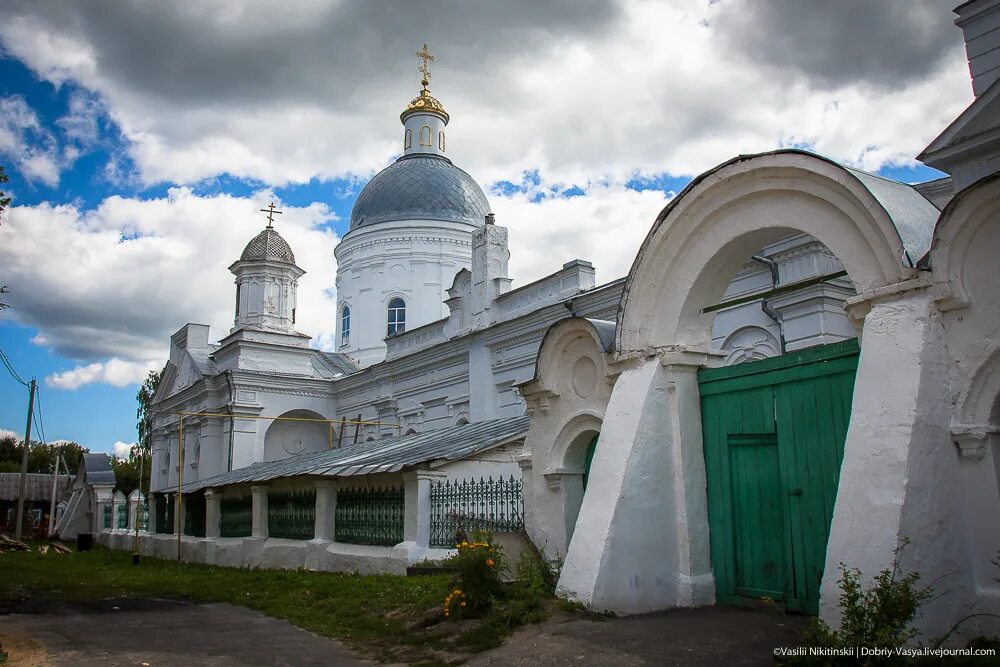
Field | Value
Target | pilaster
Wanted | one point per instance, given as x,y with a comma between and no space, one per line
326,510
417,509
258,493
213,512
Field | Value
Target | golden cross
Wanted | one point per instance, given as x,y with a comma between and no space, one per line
424,69
270,210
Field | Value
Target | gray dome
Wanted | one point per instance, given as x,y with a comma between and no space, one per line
268,245
420,187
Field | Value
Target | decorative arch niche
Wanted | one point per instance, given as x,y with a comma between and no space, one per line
289,437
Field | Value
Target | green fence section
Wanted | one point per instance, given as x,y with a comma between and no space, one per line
122,516
144,514
236,517
107,517
369,516
194,514
291,515
467,505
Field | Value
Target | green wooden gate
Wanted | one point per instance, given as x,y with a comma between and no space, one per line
774,434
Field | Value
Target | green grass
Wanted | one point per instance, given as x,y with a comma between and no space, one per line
389,618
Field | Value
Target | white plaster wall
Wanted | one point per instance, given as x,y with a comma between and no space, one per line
415,260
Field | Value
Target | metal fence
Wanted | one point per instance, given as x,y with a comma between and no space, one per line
164,514
291,515
467,505
194,514
369,516
107,517
236,517
144,513
122,516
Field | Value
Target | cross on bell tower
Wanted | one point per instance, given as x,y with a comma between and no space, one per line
270,210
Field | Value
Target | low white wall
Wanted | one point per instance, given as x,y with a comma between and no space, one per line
273,553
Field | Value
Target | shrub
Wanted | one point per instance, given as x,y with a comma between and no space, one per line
878,615
480,564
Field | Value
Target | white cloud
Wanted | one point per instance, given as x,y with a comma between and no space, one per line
605,227
4,434
26,142
592,92
115,371
108,286
120,450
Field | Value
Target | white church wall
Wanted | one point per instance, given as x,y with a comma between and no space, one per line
965,277
413,260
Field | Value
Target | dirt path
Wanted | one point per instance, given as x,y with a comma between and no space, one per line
704,636
160,633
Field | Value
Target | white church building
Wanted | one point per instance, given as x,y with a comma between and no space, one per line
802,368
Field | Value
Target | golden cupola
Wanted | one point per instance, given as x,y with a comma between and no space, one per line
424,118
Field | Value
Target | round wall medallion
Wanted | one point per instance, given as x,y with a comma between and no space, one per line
584,377
293,439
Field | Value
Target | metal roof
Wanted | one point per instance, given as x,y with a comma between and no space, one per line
97,469
420,187
268,245
340,361
386,455
37,488
912,214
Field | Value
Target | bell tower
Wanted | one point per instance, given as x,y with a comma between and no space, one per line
267,280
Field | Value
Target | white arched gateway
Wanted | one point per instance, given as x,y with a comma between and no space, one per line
660,524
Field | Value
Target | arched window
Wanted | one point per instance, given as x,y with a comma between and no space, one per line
425,136
345,325
408,139
441,140
397,317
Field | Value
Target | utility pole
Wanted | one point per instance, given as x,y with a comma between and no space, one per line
52,505
24,463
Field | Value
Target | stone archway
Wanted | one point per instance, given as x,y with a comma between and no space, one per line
572,457
651,524
566,401
293,434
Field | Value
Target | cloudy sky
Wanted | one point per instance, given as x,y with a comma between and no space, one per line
141,138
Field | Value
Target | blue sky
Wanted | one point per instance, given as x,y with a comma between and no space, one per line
98,141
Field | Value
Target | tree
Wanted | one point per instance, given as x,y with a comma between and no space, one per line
41,457
4,203
144,413
127,470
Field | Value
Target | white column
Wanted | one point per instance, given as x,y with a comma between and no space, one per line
417,511
133,513
326,509
641,539
898,478
213,512
259,495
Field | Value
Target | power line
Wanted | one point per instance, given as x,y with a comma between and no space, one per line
41,421
10,368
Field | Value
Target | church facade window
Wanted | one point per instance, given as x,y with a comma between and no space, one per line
441,140
408,139
397,317
345,325
426,136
